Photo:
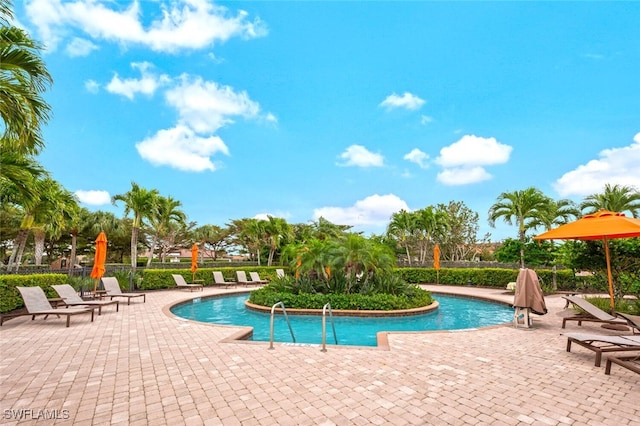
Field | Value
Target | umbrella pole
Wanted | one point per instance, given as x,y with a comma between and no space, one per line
609,276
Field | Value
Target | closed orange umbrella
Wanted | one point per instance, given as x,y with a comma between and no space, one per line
436,261
101,257
194,261
603,225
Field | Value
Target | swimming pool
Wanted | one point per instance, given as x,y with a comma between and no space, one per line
454,313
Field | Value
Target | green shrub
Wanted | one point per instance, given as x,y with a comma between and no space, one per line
10,298
266,296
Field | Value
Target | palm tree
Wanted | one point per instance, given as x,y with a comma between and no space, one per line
140,202
23,79
431,226
164,214
52,215
615,198
524,208
401,228
276,231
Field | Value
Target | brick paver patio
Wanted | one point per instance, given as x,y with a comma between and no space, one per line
141,366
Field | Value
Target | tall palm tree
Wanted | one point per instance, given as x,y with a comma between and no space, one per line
140,202
615,198
164,213
276,231
401,228
23,79
52,215
524,208
431,225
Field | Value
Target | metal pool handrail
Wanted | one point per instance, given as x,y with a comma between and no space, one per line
324,326
286,317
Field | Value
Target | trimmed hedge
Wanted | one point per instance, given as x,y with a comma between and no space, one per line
154,279
484,277
10,298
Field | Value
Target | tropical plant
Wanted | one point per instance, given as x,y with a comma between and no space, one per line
401,227
523,208
23,79
141,202
165,212
615,198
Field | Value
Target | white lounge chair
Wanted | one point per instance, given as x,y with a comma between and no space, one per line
182,283
36,303
70,298
255,277
601,343
280,273
218,279
241,278
112,287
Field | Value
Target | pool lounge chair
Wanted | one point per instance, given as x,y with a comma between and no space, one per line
182,283
241,278
113,290
218,279
256,278
36,303
280,273
70,298
632,320
593,313
629,362
601,343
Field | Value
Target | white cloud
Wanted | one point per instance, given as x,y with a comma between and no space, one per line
614,166
359,156
182,149
147,84
265,216
418,157
463,160
407,101
93,197
92,86
425,119
472,150
188,24
374,210
80,47
206,106
463,175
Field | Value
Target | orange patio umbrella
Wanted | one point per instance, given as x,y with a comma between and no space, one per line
436,262
194,261
603,225
101,257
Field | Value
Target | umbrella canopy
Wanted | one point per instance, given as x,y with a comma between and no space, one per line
603,225
101,257
436,257
194,259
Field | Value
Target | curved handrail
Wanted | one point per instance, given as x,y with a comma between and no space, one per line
284,311
324,326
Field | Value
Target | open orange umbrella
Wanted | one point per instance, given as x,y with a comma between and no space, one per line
194,261
436,261
603,225
101,257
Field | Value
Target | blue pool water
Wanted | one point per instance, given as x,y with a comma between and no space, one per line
454,313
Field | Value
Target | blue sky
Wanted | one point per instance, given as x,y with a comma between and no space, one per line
346,110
